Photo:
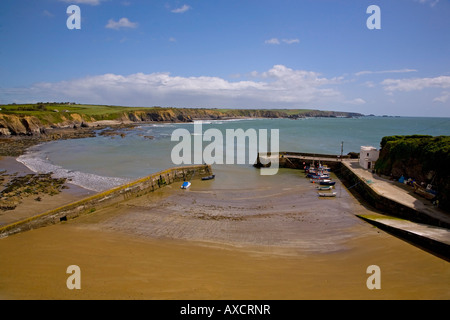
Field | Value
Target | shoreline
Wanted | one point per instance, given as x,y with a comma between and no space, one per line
28,205
15,146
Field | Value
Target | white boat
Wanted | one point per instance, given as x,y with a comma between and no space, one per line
185,185
327,194
320,180
324,188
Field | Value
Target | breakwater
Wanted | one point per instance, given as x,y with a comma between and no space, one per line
101,200
298,160
411,209
346,170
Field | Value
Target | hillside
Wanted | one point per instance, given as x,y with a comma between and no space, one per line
34,119
423,158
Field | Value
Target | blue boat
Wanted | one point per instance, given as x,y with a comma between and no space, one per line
317,176
186,185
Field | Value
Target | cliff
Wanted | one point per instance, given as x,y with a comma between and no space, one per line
423,158
36,119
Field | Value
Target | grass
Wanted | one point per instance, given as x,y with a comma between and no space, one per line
54,112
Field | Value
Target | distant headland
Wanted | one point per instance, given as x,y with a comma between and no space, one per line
35,119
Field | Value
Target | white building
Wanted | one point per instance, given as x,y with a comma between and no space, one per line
368,156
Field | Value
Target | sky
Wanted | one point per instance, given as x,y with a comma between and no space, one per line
303,54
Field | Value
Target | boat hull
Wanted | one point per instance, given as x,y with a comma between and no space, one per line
186,185
327,195
327,183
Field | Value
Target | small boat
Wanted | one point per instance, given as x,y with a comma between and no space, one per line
186,185
318,176
320,179
426,193
327,183
324,188
209,177
327,194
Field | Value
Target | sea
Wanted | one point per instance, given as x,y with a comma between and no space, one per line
102,162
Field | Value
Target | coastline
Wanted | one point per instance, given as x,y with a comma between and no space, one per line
28,205
218,240
17,145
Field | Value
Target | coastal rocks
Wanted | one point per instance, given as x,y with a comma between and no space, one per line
5,132
16,145
16,188
14,125
117,130
156,116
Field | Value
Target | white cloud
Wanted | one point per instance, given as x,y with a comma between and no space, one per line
291,41
277,87
360,73
369,84
122,23
181,9
48,14
416,83
277,41
445,96
357,101
91,2
432,3
272,41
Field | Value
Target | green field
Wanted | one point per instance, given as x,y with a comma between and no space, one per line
55,113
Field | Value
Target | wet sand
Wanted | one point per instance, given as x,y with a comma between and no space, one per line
29,206
261,238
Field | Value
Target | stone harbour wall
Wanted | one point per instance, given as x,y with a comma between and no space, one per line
107,198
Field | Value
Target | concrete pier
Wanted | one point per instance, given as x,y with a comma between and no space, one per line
391,197
433,239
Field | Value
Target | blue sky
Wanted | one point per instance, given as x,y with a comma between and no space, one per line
315,54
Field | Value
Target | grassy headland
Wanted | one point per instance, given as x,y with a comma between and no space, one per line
56,113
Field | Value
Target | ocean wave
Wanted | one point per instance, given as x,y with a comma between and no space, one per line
222,121
39,164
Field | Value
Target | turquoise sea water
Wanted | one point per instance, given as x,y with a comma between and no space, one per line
102,162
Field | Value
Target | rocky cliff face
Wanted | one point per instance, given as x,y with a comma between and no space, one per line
20,125
15,125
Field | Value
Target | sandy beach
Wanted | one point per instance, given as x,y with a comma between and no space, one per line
211,242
